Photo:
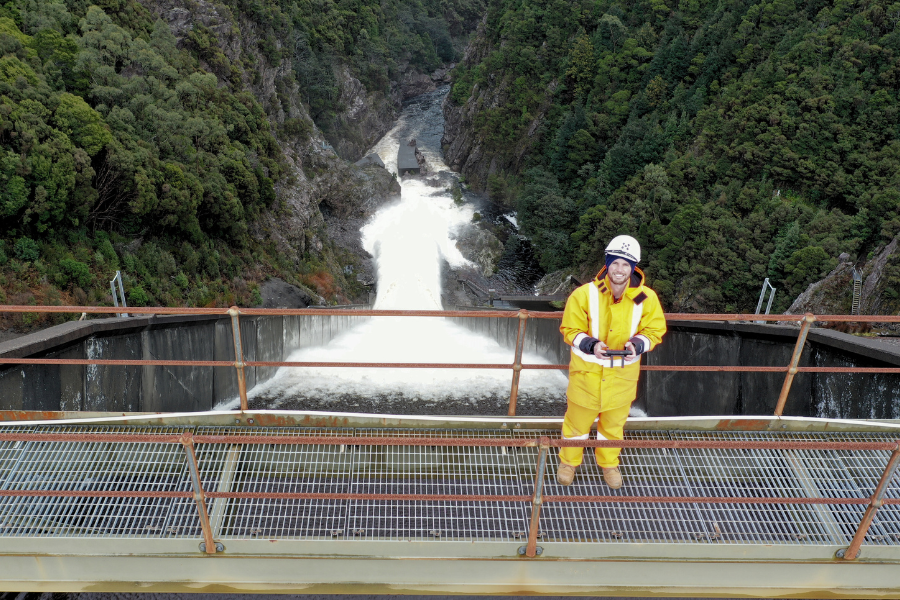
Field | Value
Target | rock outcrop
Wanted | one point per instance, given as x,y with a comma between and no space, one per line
481,247
559,282
414,83
323,200
872,298
277,293
365,118
834,293
465,147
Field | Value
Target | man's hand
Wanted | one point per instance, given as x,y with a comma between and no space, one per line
600,350
630,347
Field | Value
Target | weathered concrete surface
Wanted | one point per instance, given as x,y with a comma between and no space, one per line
151,388
672,393
660,393
118,388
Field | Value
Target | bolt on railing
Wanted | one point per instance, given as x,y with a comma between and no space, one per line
187,440
239,363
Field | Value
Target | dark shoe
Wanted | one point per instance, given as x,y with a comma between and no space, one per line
565,474
612,477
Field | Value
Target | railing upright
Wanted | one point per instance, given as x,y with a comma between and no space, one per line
874,504
531,549
187,441
808,320
517,363
234,311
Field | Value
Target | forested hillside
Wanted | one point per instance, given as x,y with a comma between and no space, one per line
184,142
737,139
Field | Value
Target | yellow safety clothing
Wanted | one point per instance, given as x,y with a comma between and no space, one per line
604,385
577,426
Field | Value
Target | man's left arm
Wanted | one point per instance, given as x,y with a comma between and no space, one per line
652,326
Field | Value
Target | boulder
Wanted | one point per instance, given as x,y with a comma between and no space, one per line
481,247
370,159
280,294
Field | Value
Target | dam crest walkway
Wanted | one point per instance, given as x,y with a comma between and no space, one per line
332,487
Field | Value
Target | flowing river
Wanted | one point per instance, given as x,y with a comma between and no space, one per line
411,240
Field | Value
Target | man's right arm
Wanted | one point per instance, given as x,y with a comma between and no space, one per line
575,326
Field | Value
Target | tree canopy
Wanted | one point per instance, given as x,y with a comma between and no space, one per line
736,139
124,147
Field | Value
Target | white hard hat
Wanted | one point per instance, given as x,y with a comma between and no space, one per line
626,247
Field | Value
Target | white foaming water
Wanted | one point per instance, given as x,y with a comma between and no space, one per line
409,240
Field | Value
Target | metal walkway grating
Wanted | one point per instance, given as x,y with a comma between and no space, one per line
363,469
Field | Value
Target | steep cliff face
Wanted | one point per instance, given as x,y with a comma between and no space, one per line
365,116
463,148
879,287
465,136
323,192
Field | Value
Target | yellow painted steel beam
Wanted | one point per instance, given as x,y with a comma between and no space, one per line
432,568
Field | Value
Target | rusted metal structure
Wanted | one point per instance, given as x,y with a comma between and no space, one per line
418,504
407,164
234,313
341,502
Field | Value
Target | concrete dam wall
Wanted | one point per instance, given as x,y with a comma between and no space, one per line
660,393
672,393
152,388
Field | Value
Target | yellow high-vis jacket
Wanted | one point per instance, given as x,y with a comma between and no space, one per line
592,311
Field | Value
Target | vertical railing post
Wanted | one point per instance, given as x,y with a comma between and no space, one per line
808,320
874,504
538,499
238,355
517,363
187,440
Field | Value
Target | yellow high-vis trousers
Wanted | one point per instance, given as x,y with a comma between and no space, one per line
577,426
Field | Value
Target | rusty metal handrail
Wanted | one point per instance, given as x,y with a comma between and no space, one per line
344,440
523,315
187,440
168,310
268,363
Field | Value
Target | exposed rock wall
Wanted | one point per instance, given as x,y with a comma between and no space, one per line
834,294
871,299
367,116
319,183
465,147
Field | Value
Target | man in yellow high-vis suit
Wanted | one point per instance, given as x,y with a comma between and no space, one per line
615,311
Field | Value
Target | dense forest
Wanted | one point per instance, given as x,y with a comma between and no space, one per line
736,139
125,147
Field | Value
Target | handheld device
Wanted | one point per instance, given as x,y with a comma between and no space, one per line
614,354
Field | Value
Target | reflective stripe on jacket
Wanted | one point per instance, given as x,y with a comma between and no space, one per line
592,311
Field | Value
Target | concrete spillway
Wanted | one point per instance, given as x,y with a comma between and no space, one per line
152,388
155,388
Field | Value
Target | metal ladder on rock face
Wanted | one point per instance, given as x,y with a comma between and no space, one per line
857,290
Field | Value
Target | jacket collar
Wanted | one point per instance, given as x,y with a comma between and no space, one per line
635,285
